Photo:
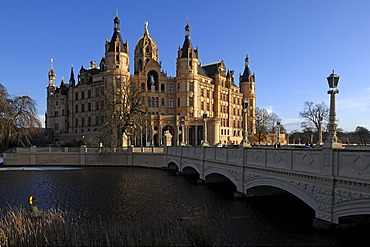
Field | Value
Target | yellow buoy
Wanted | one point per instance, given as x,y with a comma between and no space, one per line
32,200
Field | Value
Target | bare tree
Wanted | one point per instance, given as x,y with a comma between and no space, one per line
261,124
19,122
124,107
266,123
362,134
312,115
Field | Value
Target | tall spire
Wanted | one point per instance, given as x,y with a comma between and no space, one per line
51,73
187,29
72,77
247,74
247,60
116,22
187,47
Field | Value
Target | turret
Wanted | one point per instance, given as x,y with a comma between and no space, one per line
72,80
187,56
116,51
247,88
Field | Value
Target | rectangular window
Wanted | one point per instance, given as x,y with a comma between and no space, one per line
170,88
170,103
76,95
76,122
89,107
191,87
82,107
191,101
178,86
76,108
83,122
89,94
178,102
82,95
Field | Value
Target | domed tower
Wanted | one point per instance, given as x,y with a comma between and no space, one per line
145,50
247,88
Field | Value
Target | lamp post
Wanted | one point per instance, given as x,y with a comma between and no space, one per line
205,141
319,142
332,140
245,142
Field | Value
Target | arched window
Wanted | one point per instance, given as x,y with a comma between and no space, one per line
162,87
140,65
156,101
142,87
162,102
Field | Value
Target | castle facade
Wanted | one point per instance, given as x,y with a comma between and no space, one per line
201,104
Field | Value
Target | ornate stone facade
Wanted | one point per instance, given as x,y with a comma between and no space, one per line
197,95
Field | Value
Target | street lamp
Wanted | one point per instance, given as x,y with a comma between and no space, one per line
319,142
205,141
332,140
245,142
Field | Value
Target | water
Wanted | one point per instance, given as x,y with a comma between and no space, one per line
121,192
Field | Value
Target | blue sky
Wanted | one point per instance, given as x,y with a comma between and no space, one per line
293,45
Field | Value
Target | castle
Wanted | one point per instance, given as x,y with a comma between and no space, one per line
200,101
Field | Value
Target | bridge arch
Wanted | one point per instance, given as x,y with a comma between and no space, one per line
284,185
192,165
223,173
172,163
348,208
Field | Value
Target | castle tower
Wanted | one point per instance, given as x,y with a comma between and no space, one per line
187,80
187,56
247,88
116,52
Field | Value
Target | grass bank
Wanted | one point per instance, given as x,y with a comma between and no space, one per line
61,228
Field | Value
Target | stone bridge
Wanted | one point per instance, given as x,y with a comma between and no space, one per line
334,183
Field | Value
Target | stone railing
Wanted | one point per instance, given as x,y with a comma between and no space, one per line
65,156
351,164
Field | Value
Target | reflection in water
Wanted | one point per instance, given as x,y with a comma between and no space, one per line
122,192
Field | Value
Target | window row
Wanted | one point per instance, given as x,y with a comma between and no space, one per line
154,102
170,88
80,122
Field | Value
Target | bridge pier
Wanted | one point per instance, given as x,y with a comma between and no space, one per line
239,195
320,224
